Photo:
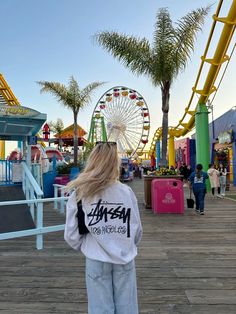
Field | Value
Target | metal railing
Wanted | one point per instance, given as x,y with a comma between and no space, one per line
10,172
59,197
40,229
34,199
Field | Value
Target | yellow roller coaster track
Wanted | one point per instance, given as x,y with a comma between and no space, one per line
7,93
218,59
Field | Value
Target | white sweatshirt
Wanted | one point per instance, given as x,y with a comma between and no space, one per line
114,225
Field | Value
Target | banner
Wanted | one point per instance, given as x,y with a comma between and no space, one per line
17,111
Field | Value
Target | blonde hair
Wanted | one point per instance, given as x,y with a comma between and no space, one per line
101,170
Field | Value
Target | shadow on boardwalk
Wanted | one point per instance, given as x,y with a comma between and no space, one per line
186,264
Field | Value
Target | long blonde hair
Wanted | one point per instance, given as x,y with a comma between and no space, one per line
101,170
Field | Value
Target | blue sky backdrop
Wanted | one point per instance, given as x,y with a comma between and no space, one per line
53,39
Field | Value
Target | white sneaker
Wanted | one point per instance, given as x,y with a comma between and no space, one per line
218,195
222,195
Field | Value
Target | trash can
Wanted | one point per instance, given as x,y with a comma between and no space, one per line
148,186
167,196
48,180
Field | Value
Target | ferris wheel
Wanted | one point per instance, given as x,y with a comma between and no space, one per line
121,115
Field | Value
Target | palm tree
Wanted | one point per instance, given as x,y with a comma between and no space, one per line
164,59
71,97
57,127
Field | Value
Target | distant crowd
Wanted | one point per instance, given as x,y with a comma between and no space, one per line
217,175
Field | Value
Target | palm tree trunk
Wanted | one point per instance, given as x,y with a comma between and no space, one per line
75,139
165,91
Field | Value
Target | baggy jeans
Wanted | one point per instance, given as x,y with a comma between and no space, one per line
199,193
111,288
222,185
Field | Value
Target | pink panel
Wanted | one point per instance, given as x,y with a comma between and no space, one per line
167,196
184,145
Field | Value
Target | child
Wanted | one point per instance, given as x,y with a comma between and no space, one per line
198,183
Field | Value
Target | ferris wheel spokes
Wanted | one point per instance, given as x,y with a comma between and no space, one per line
123,112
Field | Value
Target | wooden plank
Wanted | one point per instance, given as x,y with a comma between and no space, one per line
186,264
211,296
146,283
145,308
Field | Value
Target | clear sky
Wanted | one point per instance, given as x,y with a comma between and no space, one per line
52,40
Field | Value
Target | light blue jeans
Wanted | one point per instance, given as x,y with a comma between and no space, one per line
222,185
111,288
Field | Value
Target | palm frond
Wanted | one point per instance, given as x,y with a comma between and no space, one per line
73,85
86,93
133,52
163,44
58,90
185,35
73,95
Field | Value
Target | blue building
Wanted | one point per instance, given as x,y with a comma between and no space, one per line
222,132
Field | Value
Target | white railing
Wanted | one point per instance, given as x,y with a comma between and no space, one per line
59,202
36,170
10,172
34,200
28,179
40,229
30,188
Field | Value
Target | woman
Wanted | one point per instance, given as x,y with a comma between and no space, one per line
214,179
223,172
113,221
198,184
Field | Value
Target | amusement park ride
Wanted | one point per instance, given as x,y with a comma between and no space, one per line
122,115
198,116
117,117
6,96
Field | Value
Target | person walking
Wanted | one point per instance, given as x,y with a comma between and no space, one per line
197,180
214,179
114,230
184,172
222,172
189,171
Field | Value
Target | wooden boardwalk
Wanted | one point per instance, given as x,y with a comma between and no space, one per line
186,264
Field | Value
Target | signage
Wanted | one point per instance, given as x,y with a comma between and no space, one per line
179,154
225,137
17,111
32,140
168,199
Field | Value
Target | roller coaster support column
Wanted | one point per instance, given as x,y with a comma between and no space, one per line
91,131
104,133
2,149
158,153
171,151
202,137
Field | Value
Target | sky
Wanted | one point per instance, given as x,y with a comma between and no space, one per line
53,39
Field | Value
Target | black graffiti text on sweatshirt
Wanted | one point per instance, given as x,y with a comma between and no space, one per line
115,211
